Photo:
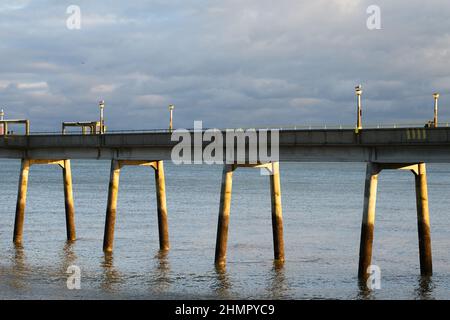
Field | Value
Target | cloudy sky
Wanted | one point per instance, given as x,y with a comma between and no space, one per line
230,63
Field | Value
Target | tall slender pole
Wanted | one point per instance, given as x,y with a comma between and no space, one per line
2,115
436,97
358,91
101,105
171,107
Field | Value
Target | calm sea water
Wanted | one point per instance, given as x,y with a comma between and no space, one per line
322,206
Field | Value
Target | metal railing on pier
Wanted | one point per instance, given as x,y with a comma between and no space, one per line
302,127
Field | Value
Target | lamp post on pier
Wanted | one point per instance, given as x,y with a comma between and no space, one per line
171,107
435,119
2,116
101,105
358,92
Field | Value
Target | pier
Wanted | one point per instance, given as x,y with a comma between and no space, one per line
408,148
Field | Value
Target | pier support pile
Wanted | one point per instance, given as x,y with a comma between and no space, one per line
368,221
113,191
224,211
22,196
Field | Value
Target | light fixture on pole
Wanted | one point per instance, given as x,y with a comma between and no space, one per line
358,92
2,116
171,107
101,105
435,120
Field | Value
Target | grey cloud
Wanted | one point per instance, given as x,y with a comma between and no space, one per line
228,63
